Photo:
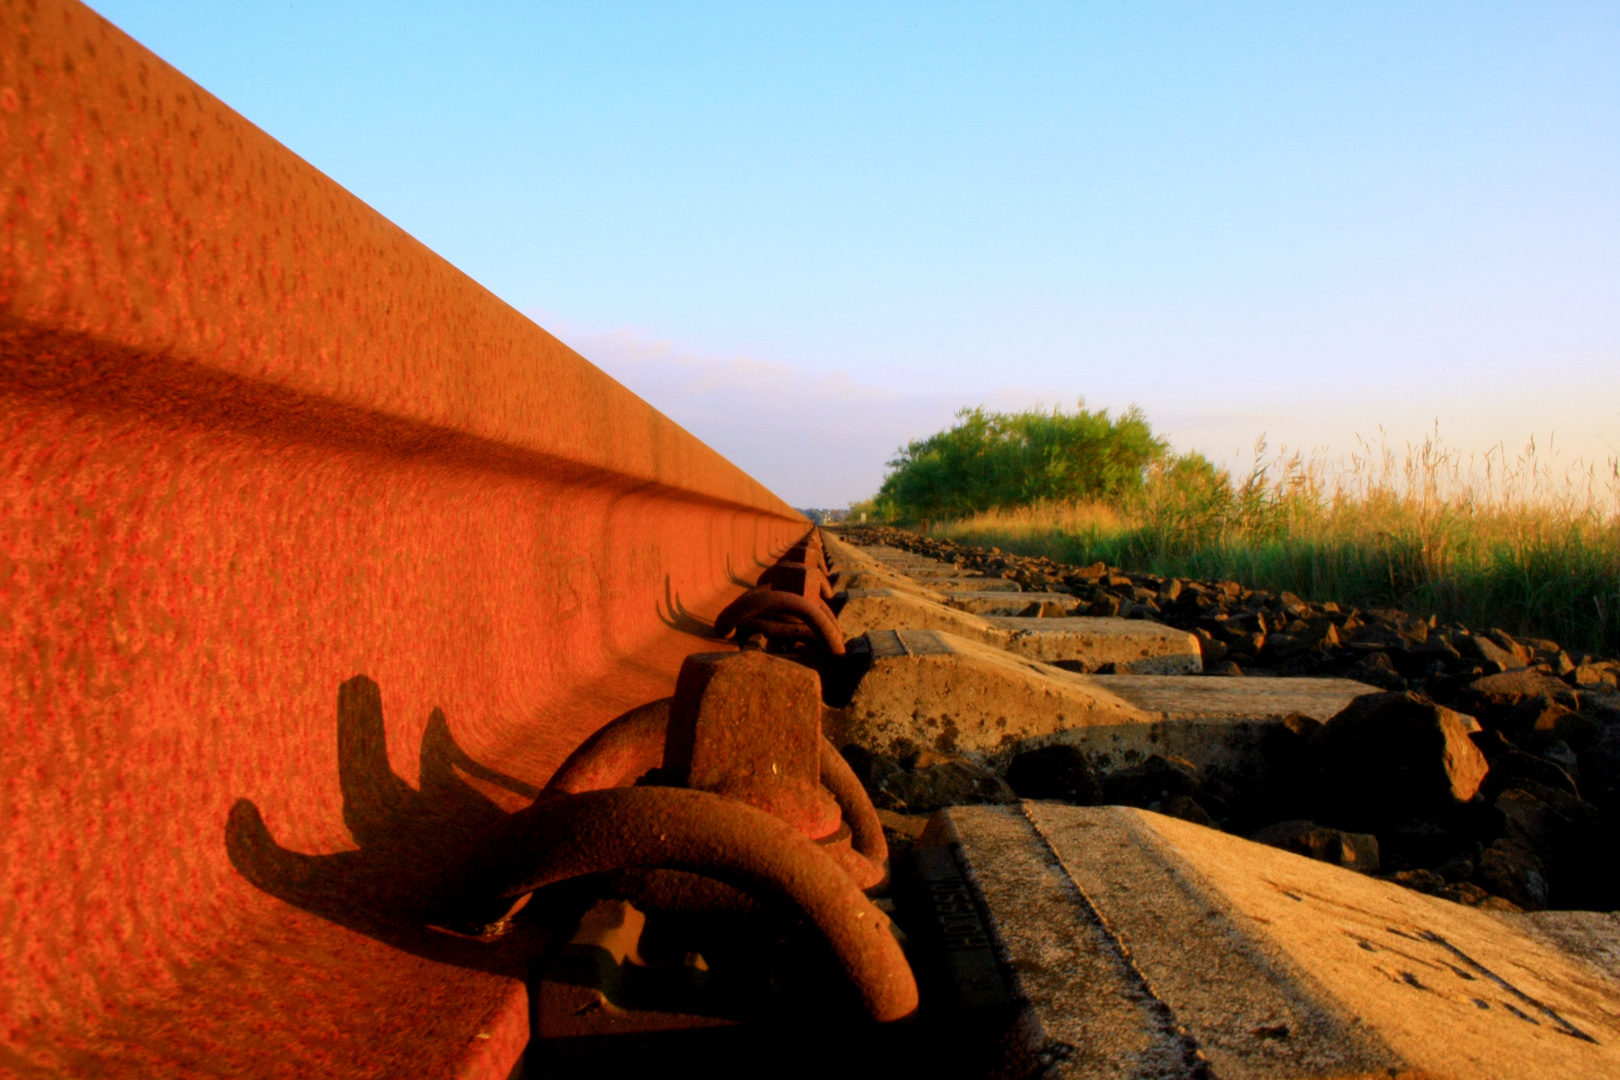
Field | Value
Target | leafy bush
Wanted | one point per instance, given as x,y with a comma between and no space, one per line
991,459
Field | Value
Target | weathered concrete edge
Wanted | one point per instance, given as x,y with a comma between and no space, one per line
1359,1052
1115,1026
1329,969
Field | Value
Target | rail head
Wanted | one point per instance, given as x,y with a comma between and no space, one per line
257,442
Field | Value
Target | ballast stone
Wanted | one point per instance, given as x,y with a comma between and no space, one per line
1134,643
1393,756
1155,947
935,690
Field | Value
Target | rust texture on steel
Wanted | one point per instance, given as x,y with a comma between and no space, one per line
260,445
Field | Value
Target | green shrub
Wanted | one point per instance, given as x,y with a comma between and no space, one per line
991,459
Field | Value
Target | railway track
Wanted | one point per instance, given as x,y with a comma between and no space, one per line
393,694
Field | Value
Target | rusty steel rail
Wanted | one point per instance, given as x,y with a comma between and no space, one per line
264,453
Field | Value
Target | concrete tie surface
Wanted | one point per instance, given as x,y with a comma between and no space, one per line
1134,645
991,602
1155,947
1142,646
938,690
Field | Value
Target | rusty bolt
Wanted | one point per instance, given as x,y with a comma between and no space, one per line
747,725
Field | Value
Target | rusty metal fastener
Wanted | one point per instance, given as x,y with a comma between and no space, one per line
729,706
812,556
771,809
631,746
789,601
566,836
797,577
807,549
748,726
771,606
618,754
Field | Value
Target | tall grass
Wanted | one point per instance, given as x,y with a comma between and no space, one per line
1487,540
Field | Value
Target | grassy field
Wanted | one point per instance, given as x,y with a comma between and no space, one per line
1489,540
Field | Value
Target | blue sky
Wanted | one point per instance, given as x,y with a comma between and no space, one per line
811,232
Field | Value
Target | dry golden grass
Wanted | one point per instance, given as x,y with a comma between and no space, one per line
1490,539
1041,520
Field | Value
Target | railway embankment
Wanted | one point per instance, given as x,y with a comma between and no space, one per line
1466,763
